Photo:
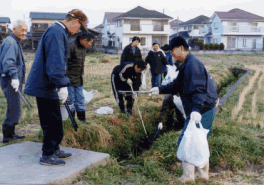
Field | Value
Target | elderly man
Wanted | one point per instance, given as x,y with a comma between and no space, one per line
197,91
47,81
12,70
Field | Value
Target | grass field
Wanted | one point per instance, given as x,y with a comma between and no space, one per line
236,141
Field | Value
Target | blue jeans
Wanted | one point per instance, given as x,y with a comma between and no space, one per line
207,121
156,80
76,96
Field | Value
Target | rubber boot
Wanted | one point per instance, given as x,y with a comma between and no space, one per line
8,133
129,106
202,173
73,113
16,135
188,173
82,116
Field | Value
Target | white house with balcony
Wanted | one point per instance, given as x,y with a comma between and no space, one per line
236,29
146,24
193,27
4,23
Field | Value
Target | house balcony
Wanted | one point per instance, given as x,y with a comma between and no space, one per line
145,29
241,30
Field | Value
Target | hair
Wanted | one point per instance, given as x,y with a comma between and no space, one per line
136,38
19,23
141,64
69,17
85,35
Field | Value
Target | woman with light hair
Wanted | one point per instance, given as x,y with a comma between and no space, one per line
12,70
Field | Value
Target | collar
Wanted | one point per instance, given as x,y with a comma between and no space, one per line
159,50
187,57
62,25
12,35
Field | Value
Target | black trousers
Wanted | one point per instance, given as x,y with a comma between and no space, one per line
51,124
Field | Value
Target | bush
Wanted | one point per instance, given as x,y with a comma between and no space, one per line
222,46
201,45
206,46
216,47
210,46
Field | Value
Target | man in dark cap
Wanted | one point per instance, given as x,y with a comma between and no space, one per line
75,70
47,81
197,91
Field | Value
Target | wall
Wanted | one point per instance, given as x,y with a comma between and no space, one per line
217,31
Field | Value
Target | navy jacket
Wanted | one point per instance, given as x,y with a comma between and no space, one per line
12,62
48,71
196,87
169,60
157,60
128,55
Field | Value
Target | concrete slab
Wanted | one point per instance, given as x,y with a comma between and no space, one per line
19,164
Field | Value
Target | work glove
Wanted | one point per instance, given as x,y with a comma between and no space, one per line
129,81
154,91
196,116
160,126
15,84
63,94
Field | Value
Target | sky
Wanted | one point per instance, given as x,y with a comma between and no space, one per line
95,9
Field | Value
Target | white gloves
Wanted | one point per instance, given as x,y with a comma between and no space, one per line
196,116
63,94
154,91
129,81
160,126
15,84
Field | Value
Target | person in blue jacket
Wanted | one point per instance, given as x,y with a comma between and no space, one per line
169,59
197,91
12,71
47,81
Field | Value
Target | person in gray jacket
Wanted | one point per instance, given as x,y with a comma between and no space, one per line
12,70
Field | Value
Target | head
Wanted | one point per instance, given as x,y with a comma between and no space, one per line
20,30
179,48
140,66
155,46
135,41
164,47
86,39
75,20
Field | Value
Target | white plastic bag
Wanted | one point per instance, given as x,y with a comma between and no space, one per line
89,95
104,110
179,105
143,86
171,74
193,147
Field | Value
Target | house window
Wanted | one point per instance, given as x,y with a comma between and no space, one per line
142,41
244,42
158,26
196,27
215,25
215,41
233,23
189,28
185,28
130,39
135,25
254,27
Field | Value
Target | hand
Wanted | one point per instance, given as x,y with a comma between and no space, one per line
134,96
196,116
154,91
63,94
160,126
129,82
15,84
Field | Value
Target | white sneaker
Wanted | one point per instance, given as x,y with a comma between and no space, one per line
188,173
202,173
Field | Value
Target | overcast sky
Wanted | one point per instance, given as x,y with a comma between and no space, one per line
95,9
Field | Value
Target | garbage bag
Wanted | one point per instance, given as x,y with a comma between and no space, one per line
89,95
193,147
143,86
171,74
179,105
104,110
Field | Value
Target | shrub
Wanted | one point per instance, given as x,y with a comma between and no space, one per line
216,47
201,45
206,46
222,46
210,46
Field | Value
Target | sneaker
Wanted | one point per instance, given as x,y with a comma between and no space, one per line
62,155
51,160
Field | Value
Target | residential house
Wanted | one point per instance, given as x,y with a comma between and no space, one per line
146,24
236,29
108,28
98,28
174,26
4,23
193,27
184,34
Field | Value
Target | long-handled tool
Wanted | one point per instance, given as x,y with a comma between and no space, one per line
71,117
131,93
140,114
155,135
23,99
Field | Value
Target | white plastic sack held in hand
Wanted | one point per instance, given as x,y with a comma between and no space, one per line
171,74
143,86
89,95
193,147
179,105
104,110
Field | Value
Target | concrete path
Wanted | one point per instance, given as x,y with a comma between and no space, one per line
19,164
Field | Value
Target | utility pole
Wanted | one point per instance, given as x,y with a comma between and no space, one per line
177,25
163,10
24,17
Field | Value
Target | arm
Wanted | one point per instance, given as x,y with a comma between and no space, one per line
55,59
170,88
140,54
164,60
170,61
124,75
9,60
147,59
